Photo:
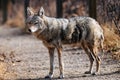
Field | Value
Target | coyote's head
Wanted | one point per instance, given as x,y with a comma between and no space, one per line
35,21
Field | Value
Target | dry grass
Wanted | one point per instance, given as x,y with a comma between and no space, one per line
18,20
6,62
112,41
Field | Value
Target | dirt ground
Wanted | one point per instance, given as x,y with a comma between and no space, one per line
23,57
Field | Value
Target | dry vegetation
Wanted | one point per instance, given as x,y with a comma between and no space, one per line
6,63
17,21
112,41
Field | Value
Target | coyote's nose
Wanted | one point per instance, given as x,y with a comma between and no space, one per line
29,30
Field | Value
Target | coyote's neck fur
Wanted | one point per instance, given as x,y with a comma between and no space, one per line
53,29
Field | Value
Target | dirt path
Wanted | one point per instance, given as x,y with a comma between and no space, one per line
30,59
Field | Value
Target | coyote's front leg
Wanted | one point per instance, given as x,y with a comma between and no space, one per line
51,55
60,62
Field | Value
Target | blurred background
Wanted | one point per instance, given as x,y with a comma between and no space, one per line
106,12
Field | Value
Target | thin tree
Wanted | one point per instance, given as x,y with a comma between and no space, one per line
0,4
92,9
4,10
26,4
59,8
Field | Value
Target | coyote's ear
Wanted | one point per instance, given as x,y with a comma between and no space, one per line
29,12
41,12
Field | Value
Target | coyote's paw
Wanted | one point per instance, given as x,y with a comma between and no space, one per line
61,76
48,76
94,73
88,72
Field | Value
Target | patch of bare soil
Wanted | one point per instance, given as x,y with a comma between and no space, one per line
24,57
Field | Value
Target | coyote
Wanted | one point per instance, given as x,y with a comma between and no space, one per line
55,32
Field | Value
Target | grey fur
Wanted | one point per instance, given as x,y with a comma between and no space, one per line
77,31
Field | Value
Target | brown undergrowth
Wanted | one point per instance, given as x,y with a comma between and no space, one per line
18,20
6,64
112,41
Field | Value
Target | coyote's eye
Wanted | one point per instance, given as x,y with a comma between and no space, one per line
35,23
30,23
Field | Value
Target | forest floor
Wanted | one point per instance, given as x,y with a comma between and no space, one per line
23,57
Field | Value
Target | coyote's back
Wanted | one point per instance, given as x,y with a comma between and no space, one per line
82,29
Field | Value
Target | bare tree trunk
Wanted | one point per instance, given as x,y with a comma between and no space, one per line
92,9
59,8
26,4
0,4
4,10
